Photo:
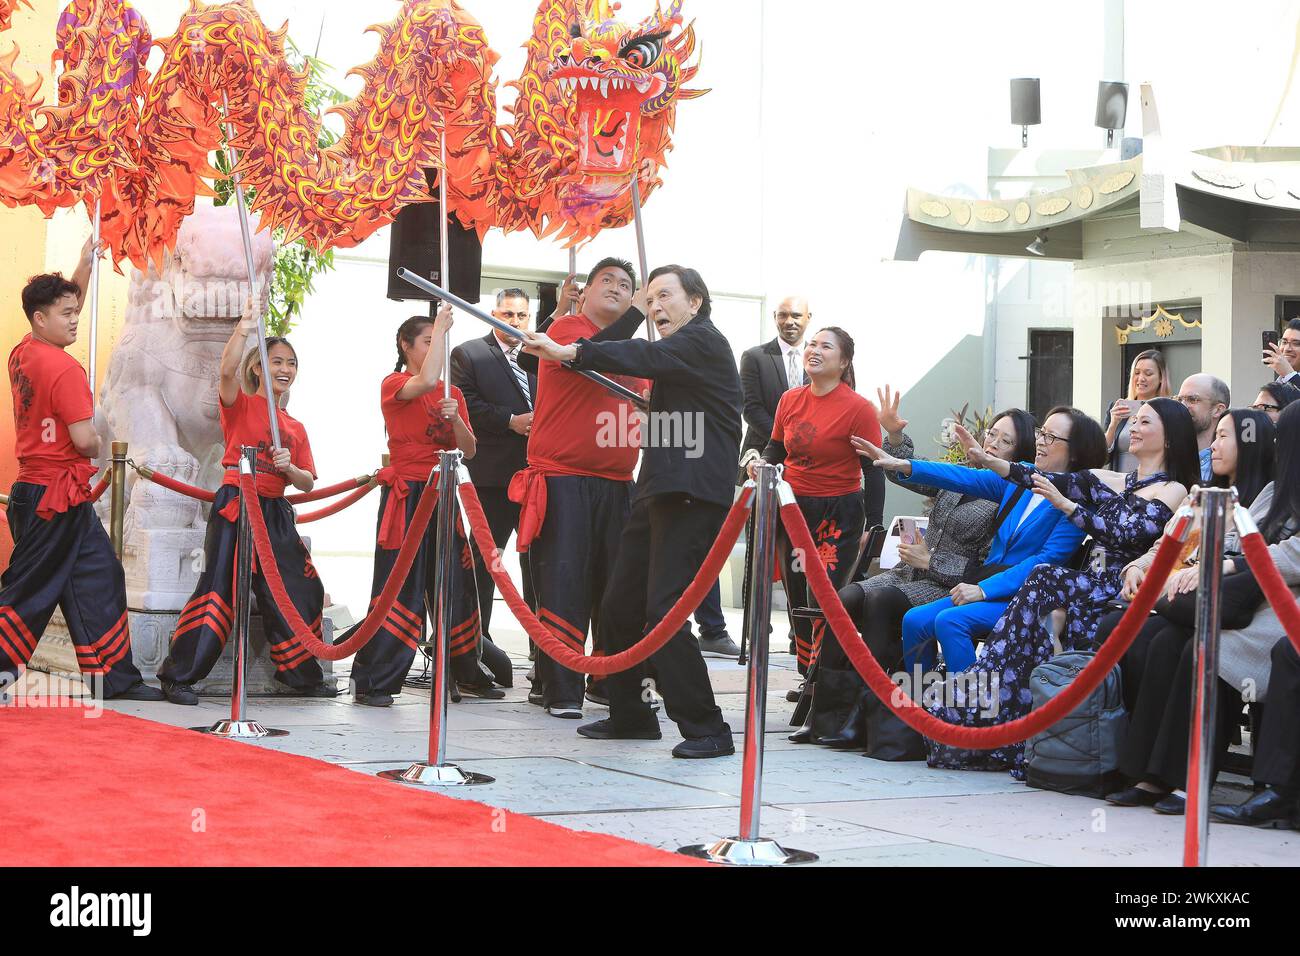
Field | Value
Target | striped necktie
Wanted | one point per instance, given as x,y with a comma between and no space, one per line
521,377
794,374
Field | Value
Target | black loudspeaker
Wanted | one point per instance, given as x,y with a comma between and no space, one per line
414,245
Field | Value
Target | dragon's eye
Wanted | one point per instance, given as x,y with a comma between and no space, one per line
641,53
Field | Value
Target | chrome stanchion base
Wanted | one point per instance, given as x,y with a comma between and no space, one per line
426,775
240,729
738,852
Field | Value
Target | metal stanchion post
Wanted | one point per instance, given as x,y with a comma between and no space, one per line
117,503
1215,506
750,849
239,725
436,772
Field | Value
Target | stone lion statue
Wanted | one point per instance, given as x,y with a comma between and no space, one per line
160,394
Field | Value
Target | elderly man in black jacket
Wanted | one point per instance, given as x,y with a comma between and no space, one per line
684,490
500,396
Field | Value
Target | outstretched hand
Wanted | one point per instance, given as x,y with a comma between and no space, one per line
544,347
879,457
975,453
890,420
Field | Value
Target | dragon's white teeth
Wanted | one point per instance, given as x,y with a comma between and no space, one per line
618,84
604,88
642,85
582,82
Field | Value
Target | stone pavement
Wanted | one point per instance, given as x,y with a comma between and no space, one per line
848,809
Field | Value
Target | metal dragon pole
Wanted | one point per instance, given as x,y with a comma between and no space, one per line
94,306
640,244
445,249
247,232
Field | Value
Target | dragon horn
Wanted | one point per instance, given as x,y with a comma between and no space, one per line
659,20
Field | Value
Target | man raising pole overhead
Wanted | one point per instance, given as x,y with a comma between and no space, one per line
62,555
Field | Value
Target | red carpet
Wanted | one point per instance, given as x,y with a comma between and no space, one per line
121,791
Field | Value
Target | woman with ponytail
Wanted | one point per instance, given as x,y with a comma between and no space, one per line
420,424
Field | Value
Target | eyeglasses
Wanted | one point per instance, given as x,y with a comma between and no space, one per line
1293,342
1192,399
1047,438
1266,408
783,316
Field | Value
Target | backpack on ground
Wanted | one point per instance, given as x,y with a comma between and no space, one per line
1080,754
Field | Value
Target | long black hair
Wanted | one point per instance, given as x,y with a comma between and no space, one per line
1182,457
1255,439
1025,426
1087,440
408,332
1284,513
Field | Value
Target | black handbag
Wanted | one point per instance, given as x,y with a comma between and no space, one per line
979,573
1240,597
888,738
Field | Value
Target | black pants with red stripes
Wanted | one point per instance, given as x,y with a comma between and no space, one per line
65,562
207,618
571,560
382,665
836,524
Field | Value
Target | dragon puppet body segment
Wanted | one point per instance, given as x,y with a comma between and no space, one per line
595,105
53,157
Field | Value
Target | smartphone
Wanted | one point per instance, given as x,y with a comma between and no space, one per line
907,527
1270,338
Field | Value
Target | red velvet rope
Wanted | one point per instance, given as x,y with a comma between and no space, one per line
1270,582
976,738
335,508
171,484
330,491
190,491
103,485
663,632
302,633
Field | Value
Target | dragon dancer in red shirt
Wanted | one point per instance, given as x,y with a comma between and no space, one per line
62,556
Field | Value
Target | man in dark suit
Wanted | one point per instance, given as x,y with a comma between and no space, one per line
768,371
500,397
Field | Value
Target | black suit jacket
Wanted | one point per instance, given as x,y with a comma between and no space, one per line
479,368
763,379
694,406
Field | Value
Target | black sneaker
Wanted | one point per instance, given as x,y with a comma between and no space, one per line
374,699
481,691
140,691
565,711
182,694
324,689
701,748
607,730
536,698
719,645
